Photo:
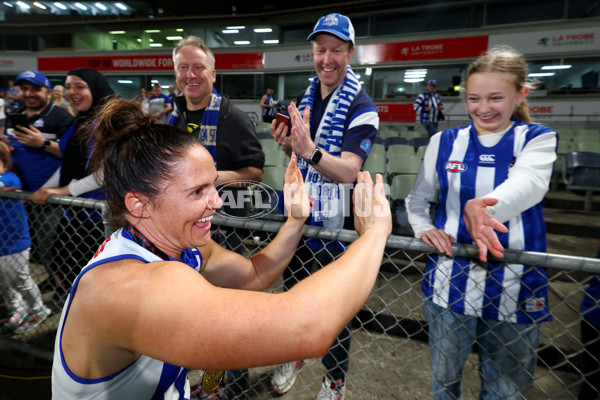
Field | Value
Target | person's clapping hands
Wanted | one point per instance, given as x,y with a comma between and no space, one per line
371,207
299,140
295,198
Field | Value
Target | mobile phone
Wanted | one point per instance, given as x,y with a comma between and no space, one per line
18,119
284,119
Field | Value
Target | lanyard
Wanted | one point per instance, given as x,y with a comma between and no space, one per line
139,238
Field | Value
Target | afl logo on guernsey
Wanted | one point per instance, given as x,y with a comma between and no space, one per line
456,166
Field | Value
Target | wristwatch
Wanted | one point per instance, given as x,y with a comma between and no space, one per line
45,145
315,158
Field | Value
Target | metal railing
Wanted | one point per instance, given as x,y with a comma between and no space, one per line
389,355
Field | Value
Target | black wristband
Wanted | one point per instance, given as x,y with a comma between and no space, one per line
45,145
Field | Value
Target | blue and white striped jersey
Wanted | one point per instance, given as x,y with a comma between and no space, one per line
466,169
146,378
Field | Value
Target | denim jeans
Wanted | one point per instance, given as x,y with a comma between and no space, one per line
431,128
507,354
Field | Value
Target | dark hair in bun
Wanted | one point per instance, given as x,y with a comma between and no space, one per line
135,153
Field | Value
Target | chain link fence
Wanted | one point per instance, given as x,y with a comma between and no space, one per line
389,355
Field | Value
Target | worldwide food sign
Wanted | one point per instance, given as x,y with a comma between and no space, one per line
144,62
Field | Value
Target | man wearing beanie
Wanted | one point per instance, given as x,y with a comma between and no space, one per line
334,124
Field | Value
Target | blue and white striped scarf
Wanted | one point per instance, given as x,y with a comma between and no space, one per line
326,194
208,127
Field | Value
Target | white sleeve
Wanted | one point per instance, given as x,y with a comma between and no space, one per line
528,179
77,187
417,202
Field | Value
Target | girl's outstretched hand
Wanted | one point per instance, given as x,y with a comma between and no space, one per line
481,227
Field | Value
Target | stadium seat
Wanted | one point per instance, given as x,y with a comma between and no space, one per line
399,150
588,133
394,140
378,149
417,142
275,158
269,145
408,134
375,164
586,145
581,174
386,133
264,135
402,165
401,186
263,127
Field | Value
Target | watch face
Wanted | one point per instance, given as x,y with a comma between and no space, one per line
316,157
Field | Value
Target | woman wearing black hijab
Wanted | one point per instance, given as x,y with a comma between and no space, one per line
86,90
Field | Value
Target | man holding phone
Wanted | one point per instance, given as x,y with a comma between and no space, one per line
35,132
334,123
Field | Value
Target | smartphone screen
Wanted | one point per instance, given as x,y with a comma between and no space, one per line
284,119
18,119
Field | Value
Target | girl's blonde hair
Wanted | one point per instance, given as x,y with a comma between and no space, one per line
507,60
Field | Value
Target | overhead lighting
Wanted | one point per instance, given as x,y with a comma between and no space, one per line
241,42
60,5
7,4
39,5
152,31
156,45
236,27
80,6
125,81
121,6
413,80
153,81
179,30
556,66
116,32
413,73
263,30
139,40
23,5
230,31
274,41
101,6
174,37
542,74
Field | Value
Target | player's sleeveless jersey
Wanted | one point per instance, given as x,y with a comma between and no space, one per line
507,292
146,378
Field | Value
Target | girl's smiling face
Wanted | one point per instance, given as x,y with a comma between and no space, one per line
491,100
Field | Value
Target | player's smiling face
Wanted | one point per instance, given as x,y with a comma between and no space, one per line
331,58
182,213
491,100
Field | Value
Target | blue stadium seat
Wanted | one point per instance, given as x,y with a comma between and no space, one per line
394,140
581,174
